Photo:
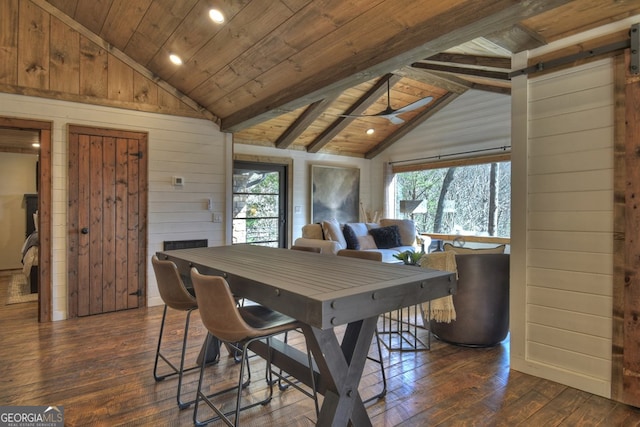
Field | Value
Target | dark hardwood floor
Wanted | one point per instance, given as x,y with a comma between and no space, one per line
99,369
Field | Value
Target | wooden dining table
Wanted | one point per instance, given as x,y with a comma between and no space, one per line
322,292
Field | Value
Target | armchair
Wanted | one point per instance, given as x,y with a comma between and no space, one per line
481,302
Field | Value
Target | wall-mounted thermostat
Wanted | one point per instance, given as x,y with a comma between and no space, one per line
178,181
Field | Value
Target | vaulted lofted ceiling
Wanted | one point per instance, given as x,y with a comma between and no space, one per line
283,72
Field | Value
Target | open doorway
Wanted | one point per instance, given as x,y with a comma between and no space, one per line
40,200
19,152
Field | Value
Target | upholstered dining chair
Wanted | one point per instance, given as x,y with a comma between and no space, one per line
352,253
371,256
306,249
238,327
175,296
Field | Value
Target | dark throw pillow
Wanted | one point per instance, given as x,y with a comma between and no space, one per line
386,237
350,237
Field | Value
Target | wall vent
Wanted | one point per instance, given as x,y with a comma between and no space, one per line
185,244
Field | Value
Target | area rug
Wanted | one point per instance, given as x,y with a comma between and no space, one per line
19,290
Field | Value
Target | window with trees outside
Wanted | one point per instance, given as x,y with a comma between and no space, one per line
259,204
458,199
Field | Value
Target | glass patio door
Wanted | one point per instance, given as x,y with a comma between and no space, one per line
259,204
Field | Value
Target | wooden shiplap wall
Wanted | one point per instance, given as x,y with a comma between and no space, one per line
42,56
178,146
569,284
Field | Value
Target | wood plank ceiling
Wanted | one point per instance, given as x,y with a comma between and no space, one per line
281,72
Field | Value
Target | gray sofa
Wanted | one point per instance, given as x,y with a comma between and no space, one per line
329,236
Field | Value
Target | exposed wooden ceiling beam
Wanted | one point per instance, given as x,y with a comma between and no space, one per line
438,105
308,116
444,81
365,101
473,60
516,39
490,88
86,99
465,21
450,82
499,75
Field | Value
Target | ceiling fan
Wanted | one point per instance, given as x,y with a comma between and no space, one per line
391,114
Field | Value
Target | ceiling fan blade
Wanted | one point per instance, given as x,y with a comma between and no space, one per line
393,119
391,114
356,116
419,103
383,114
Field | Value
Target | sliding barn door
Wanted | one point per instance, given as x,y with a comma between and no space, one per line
106,220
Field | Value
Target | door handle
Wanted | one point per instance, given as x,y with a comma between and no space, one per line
84,230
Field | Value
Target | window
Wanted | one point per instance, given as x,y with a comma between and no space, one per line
259,202
460,198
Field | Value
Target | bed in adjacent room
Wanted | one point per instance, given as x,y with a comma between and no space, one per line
29,251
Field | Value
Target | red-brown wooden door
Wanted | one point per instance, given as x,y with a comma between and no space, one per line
107,219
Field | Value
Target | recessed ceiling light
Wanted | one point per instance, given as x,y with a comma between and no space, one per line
175,59
36,145
370,131
216,16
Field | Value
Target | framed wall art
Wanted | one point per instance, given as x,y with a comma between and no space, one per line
335,193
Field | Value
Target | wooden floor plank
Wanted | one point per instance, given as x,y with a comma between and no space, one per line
100,369
559,408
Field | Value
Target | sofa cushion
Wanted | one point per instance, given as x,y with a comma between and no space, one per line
460,250
359,228
333,231
406,227
312,231
367,242
327,247
386,237
350,237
